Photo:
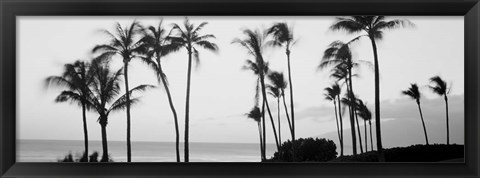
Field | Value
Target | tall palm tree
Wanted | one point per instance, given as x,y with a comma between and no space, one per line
250,65
350,101
256,115
124,42
283,36
414,93
278,81
366,115
76,80
332,94
189,37
158,44
254,43
275,93
339,55
374,27
105,87
440,88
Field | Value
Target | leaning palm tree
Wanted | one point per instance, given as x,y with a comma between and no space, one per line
283,36
374,27
349,100
189,37
278,81
275,93
158,44
366,115
254,43
414,93
440,88
105,87
256,115
125,43
332,94
76,80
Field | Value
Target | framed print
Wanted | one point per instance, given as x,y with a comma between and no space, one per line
239,89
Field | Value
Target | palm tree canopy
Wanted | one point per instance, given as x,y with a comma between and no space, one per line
254,42
439,85
362,110
274,91
372,25
332,92
190,37
413,92
76,79
337,52
281,33
278,80
125,42
255,114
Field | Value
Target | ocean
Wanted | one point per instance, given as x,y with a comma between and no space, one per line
54,150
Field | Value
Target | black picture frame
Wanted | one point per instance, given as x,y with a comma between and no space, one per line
9,9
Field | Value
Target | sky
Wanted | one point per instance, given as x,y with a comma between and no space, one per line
221,92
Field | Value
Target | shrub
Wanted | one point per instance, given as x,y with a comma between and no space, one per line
82,158
307,150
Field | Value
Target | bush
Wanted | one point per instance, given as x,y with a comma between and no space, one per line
306,150
82,158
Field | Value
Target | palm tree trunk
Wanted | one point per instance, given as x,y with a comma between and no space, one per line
448,128
187,104
264,93
336,119
85,131
381,156
292,111
104,142
127,94
288,118
278,117
261,142
172,107
371,135
341,125
352,124
359,133
423,122
366,136
264,131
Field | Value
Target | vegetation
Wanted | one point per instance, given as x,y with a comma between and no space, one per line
414,93
93,158
307,150
440,88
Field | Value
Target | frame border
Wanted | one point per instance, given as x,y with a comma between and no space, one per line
9,9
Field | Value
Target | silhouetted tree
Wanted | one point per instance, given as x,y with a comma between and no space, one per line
256,115
278,91
275,93
283,36
440,88
76,79
158,44
350,101
105,87
365,114
373,26
125,43
414,93
190,37
254,43
332,94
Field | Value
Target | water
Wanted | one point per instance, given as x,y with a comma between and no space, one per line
53,150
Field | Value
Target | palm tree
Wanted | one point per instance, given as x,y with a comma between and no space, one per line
339,54
366,115
350,101
124,42
278,81
256,115
373,26
332,94
283,36
440,88
254,43
250,65
414,93
105,87
76,80
158,44
189,37
275,93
